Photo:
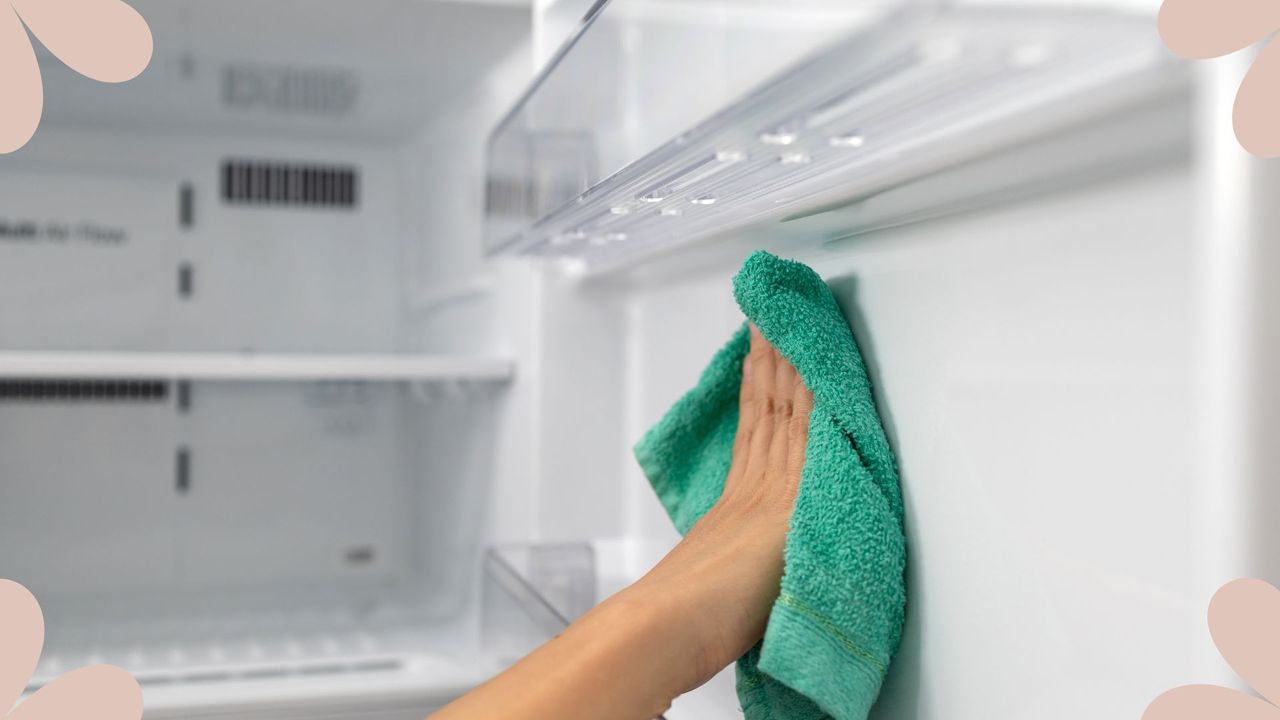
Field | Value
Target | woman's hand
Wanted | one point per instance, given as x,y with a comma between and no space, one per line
722,579
703,606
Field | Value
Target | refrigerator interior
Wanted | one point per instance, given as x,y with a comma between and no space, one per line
244,454
326,339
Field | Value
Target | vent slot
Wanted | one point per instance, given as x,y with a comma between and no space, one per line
82,391
266,183
186,206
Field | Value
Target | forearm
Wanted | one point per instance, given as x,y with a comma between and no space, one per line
625,660
699,609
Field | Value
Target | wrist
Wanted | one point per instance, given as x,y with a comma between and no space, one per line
707,594
692,611
669,619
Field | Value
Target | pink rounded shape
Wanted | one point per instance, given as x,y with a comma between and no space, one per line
104,692
1244,620
1209,702
1201,29
21,88
21,639
1257,111
106,40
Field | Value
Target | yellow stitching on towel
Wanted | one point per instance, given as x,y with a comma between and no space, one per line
832,630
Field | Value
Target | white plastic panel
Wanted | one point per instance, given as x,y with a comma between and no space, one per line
269,504
1035,379
99,275
260,276
1033,371
73,472
372,70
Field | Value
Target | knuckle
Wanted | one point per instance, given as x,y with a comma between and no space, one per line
798,425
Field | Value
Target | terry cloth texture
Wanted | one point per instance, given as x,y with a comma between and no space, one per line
838,620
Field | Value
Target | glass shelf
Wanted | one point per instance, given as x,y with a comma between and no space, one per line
250,366
609,157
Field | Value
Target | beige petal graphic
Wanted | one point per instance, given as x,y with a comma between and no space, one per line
1209,28
1257,111
1209,702
1244,620
104,692
106,40
21,639
24,100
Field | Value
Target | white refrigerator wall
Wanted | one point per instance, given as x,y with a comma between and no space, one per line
257,281
1046,444
1038,368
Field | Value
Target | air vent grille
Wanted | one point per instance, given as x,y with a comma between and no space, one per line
247,182
82,391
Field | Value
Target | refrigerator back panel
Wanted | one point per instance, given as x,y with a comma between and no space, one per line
230,466
99,273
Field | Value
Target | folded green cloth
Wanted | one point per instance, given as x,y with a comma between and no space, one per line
838,619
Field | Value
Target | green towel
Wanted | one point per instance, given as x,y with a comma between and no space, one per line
838,619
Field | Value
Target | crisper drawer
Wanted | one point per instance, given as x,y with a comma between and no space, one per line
249,533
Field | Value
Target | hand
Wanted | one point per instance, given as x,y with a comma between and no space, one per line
721,581
702,607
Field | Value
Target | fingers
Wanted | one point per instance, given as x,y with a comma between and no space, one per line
773,424
748,408
784,388
764,361
798,430
746,423
773,380
747,395
761,438
763,366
